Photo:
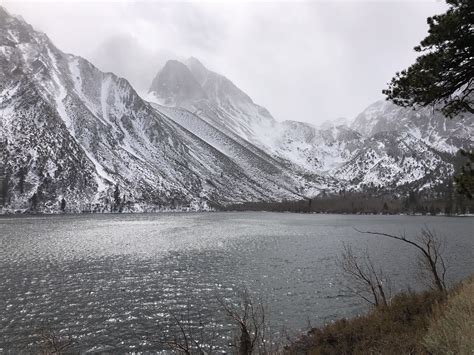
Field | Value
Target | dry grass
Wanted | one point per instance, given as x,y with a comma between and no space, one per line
395,329
451,329
413,323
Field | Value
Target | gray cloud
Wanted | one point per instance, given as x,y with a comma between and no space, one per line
308,61
124,55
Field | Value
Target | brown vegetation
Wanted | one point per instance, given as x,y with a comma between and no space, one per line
451,328
413,323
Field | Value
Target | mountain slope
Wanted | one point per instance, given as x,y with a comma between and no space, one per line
425,123
75,133
405,149
394,160
233,112
67,121
385,146
220,102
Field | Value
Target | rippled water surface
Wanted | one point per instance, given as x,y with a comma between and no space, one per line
112,281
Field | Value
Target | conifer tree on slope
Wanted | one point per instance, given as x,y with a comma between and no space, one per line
443,75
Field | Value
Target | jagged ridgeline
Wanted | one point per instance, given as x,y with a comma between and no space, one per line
78,139
76,133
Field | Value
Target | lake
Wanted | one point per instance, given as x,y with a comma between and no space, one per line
113,281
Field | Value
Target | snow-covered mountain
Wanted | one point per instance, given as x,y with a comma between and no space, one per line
425,123
211,96
224,106
175,85
392,160
74,132
69,131
385,146
405,149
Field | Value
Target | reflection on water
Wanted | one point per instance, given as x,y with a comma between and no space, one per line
113,280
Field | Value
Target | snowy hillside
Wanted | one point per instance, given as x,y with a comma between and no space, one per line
390,160
212,97
224,106
426,124
386,145
75,132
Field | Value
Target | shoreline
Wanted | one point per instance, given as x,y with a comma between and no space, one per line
19,213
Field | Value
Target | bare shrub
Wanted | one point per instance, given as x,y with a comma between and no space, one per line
431,262
51,343
189,336
368,281
251,333
252,328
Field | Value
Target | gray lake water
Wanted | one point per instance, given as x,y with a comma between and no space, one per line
112,281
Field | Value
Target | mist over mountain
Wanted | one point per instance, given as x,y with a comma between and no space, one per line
126,57
385,146
72,132
77,133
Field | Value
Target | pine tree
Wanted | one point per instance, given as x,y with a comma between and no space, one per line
117,198
444,73
21,178
465,180
412,202
34,201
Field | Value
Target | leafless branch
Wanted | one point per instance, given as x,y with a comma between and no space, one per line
430,249
184,337
253,337
369,283
52,343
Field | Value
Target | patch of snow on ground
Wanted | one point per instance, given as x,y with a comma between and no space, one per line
104,93
60,95
101,173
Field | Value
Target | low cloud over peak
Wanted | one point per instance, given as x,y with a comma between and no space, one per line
308,61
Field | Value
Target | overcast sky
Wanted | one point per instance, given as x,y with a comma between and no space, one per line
307,61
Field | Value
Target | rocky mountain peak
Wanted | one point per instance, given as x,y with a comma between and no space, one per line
4,14
199,71
175,84
75,132
14,30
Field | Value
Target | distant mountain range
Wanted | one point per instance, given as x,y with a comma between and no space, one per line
72,132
